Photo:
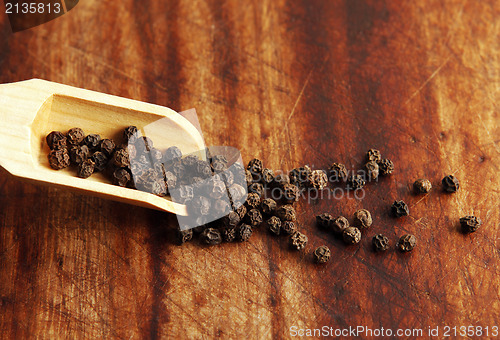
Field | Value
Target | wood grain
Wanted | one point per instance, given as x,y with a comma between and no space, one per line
293,83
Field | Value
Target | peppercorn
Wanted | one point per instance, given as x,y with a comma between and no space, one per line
218,166
339,225
298,241
386,167
337,173
86,168
253,200
222,208
317,179
237,194
380,243
274,225
228,234
372,170
59,159
286,213
324,221
422,186
227,177
288,227
231,220
75,136
100,161
184,236
254,217
407,243
373,155
299,176
255,167
242,211
56,140
130,134
268,206
200,205
322,254
351,235
93,141
78,154
280,180
400,209
362,219
267,177
211,236
257,188
172,154
244,232
355,182
450,183
216,188
121,177
121,158
470,224
248,177
107,146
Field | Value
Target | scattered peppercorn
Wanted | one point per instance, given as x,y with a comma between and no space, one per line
93,141
288,227
59,159
254,217
337,173
280,180
470,224
373,155
317,179
386,167
56,140
121,158
75,136
130,134
324,221
253,200
86,168
121,177
351,235
291,193
355,182
268,206
286,213
299,176
298,241
267,177
231,220
322,254
372,170
274,225
256,188
77,154
255,167
211,236
184,236
450,183
380,242
242,211
100,161
339,225
362,219
422,186
248,177
108,147
400,209
407,243
228,234
244,232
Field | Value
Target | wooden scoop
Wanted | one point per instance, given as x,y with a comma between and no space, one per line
31,109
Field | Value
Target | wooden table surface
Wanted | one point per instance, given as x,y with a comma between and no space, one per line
305,82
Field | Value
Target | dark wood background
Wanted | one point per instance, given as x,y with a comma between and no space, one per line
293,83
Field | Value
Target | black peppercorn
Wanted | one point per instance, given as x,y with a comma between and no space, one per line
216,188
400,209
299,176
351,235
242,211
100,161
182,194
288,227
211,236
93,141
130,134
355,182
386,167
362,219
372,170
200,206
121,177
280,180
274,225
56,140
286,213
78,154
322,254
184,236
470,224
407,243
254,217
267,177
373,155
108,146
317,179
339,225
268,206
248,177
244,232
324,221
228,234
253,200
337,173
121,158
255,167
203,169
85,168
298,241
450,183
380,242
291,193
231,220
218,166
75,136
59,159
237,194
422,186
257,188
222,208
